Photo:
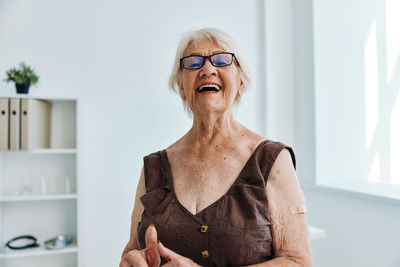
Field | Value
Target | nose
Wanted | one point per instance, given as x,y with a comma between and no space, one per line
208,69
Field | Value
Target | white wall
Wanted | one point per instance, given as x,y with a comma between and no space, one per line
304,89
115,57
361,231
279,71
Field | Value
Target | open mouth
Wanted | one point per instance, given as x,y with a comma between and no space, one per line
209,88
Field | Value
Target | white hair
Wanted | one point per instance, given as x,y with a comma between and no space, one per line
223,40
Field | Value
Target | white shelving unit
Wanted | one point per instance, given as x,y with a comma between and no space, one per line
39,194
6,199
41,251
44,151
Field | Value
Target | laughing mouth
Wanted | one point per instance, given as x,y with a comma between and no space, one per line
209,88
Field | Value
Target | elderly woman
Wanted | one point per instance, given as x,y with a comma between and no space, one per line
221,195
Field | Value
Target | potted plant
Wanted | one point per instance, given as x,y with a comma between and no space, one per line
23,77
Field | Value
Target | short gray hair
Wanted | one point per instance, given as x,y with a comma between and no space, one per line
223,40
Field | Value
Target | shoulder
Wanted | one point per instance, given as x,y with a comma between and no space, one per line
152,159
155,168
152,155
268,146
284,164
282,179
272,154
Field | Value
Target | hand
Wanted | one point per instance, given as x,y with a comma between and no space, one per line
174,259
147,257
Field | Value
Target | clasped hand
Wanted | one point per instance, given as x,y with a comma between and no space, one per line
150,256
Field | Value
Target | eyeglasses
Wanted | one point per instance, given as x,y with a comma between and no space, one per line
217,60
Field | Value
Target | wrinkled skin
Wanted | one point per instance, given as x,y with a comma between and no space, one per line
206,161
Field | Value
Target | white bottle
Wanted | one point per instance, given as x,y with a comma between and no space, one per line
67,185
43,185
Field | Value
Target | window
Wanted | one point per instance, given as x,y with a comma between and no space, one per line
357,95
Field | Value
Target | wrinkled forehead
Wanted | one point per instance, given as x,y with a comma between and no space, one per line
203,47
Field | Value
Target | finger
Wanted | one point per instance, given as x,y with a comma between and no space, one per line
124,263
152,256
166,253
134,258
151,236
176,263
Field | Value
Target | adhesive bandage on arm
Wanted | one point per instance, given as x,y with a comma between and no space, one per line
298,209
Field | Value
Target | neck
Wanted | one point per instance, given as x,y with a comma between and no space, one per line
213,127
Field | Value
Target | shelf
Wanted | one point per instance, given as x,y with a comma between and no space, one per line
37,197
40,97
44,151
40,251
25,174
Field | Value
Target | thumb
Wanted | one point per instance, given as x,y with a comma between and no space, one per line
166,253
151,254
151,236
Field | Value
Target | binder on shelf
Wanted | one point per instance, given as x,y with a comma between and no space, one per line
35,124
14,123
4,107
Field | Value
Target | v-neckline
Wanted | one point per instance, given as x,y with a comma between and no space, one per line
168,169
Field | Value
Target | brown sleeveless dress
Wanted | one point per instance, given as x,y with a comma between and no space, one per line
233,231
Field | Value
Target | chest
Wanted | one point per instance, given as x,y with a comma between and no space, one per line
237,229
201,179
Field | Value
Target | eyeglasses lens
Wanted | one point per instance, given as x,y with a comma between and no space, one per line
220,60
193,62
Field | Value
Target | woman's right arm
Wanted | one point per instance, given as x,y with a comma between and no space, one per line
136,215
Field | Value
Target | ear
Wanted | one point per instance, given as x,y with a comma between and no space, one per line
179,82
241,89
182,92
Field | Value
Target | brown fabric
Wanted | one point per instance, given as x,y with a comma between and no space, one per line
238,224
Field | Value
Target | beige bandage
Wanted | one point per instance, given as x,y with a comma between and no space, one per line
298,209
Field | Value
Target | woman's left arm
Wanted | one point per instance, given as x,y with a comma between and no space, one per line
290,237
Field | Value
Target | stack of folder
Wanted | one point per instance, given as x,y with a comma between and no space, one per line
24,124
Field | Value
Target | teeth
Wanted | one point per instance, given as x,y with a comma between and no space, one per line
208,86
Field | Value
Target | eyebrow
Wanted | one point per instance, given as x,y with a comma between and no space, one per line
214,52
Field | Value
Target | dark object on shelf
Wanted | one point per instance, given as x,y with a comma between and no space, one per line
22,77
61,241
22,88
31,242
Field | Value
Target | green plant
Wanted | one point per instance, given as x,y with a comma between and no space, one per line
24,74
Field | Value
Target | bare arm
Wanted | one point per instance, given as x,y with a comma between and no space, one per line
290,238
136,215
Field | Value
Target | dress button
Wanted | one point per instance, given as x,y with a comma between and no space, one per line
204,228
205,254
